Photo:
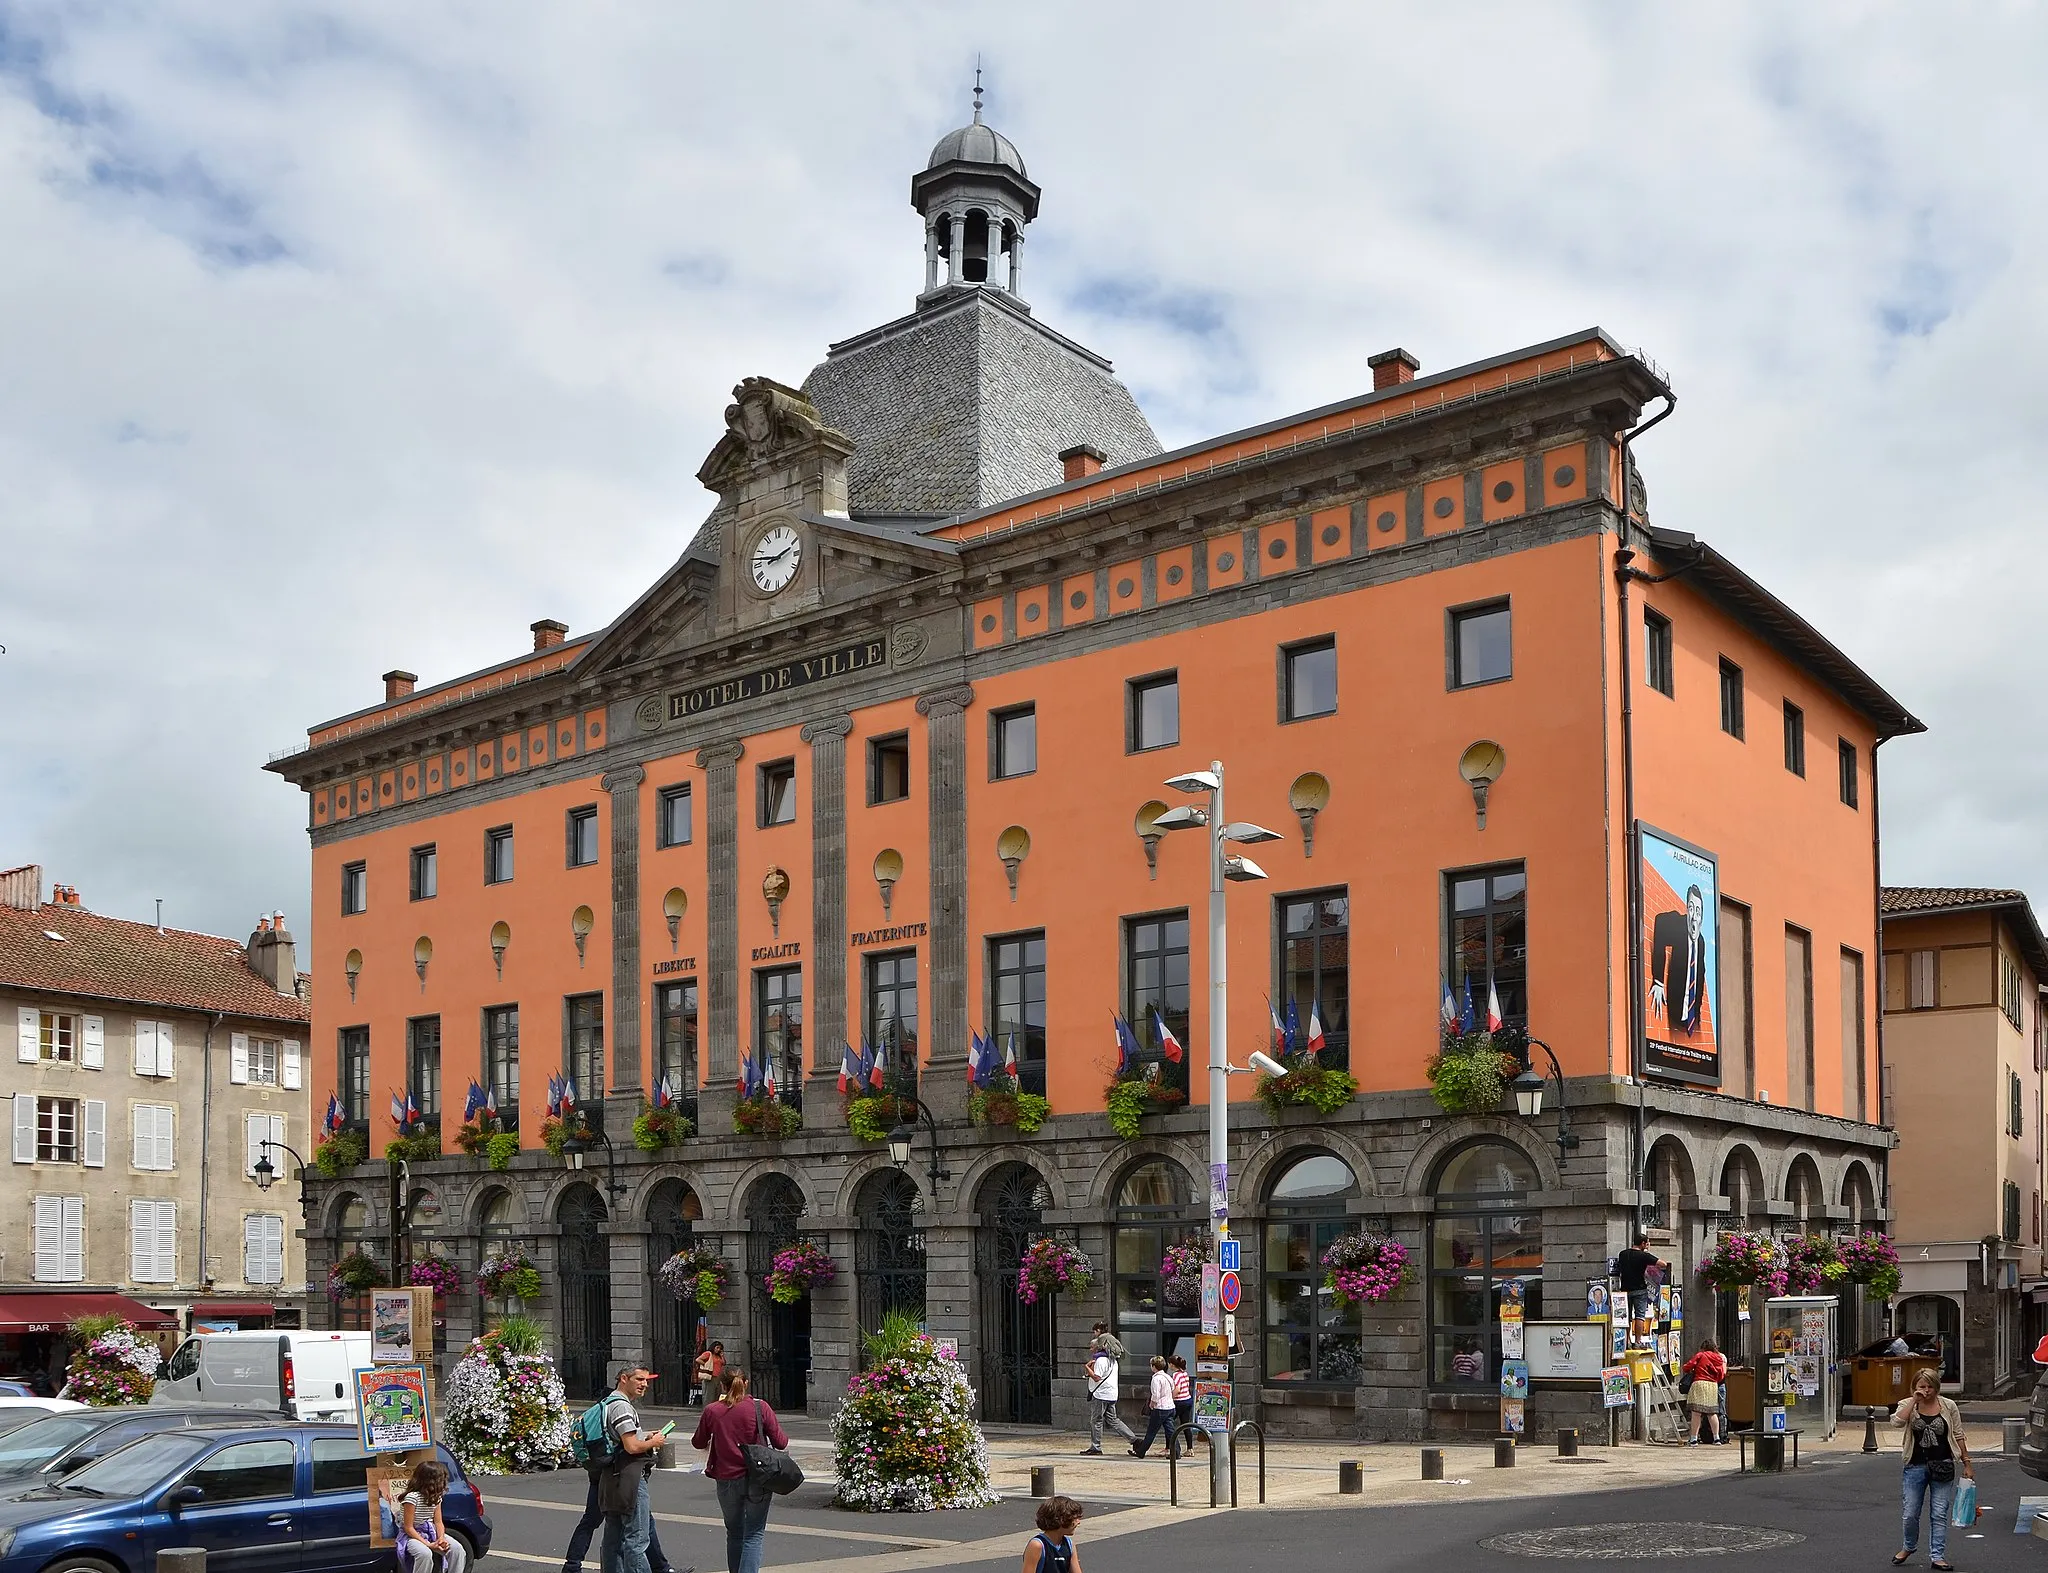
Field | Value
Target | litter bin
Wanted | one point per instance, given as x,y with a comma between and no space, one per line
1885,1380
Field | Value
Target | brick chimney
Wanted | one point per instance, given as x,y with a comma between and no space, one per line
272,956
398,684
1082,460
547,633
64,896
22,888
1391,368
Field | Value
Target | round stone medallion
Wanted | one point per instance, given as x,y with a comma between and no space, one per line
1175,574
1387,521
649,712
1565,475
1124,587
1078,599
1226,561
1331,535
1503,490
1616,1542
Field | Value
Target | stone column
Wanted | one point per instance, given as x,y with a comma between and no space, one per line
1017,262
719,1047
956,269
632,1285
827,739
931,254
835,1323
624,1024
943,1083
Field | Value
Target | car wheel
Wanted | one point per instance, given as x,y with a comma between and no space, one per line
463,1540
78,1564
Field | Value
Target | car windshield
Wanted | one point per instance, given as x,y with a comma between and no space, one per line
36,1443
132,1470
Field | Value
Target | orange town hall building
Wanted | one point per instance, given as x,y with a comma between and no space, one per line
878,763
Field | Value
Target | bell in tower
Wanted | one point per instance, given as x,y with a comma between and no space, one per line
975,200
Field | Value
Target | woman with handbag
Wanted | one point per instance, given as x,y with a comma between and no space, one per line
1704,1374
727,1430
1933,1444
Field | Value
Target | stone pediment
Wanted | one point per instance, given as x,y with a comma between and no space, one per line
766,425
678,612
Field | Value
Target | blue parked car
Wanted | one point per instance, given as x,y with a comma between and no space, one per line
260,1499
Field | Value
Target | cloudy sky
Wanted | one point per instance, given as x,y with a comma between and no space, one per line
336,338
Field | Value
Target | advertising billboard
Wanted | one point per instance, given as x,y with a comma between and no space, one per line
1681,887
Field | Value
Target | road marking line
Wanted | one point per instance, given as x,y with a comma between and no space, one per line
915,1541
997,1548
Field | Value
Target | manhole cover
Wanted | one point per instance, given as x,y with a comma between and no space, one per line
1617,1541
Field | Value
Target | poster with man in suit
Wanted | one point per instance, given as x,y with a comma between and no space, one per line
1681,956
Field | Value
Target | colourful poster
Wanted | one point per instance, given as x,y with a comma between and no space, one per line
1616,1390
393,1414
1514,1379
1512,1344
1511,1296
391,1326
1596,1301
1742,1302
1513,1417
1677,1306
1681,954
1664,1302
1212,1406
1617,1338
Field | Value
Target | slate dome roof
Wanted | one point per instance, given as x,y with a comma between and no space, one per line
976,144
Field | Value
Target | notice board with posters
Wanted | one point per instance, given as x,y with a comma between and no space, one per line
1681,940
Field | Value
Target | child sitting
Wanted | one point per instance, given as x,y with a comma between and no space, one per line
423,1533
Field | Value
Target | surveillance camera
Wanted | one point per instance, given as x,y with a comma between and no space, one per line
1266,1062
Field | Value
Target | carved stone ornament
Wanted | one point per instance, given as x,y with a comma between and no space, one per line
907,645
650,713
765,419
775,890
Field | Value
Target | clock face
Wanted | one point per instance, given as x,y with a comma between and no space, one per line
775,557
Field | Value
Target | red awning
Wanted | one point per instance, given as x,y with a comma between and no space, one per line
47,1313
208,1308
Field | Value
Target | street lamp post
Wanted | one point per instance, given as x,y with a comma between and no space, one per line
1223,865
901,1137
1529,1088
266,1176
579,1142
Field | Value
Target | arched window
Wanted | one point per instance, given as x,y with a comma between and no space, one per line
1485,1242
1803,1191
1308,1339
889,1249
1155,1209
354,1229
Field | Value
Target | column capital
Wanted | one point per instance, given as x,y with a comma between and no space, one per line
829,726
942,700
624,779
727,753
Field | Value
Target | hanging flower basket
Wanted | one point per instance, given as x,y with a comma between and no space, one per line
698,1274
1470,1070
509,1275
113,1365
872,1116
1366,1268
1740,1257
1053,1266
1180,1274
438,1274
1872,1261
1308,1084
341,1152
667,1126
352,1274
798,1269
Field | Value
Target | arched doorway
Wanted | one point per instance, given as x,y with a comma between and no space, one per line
1485,1236
1742,1182
889,1260
1155,1209
672,1217
585,1252
424,1219
779,1336
1015,1339
1308,1341
354,1229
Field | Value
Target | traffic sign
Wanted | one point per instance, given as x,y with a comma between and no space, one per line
1229,1291
1227,1254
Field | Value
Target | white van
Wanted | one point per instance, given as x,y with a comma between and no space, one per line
304,1374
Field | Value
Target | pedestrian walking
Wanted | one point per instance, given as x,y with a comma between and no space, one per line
735,1421
1102,1390
709,1373
593,1512
1704,1373
1051,1550
1932,1443
426,1534
1105,1339
1183,1392
1158,1411
628,1519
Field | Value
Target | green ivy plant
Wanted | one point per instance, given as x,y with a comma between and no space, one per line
873,1115
501,1149
1308,1083
1004,1105
340,1153
416,1148
521,1335
1470,1071
1126,1102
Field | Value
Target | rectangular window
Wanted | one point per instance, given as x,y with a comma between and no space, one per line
56,1130
675,1038
155,1137
2011,992
779,1028
155,1048
1923,977
1152,706
778,793
1013,742
1472,1256
1482,646
889,768
1156,980
355,888
423,1065
1315,969
426,873
2015,1108
262,1136
1487,939
501,1061
264,1054
353,1080
263,1250
1845,757
1795,739
2012,1212
152,1242
891,1017
498,855
1855,1078
672,826
583,836
1657,651
1798,1017
57,1040
1731,698
584,1061
59,1243
1738,1002
1308,680
1016,1004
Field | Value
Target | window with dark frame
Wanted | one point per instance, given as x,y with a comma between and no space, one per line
423,1064
354,1078
1013,742
1016,985
1657,651
1485,1235
1487,938
672,827
891,1015
1308,680
1731,699
2015,1106
56,1130
582,829
355,888
1307,1340
1153,712
498,855
501,1061
1795,739
889,768
2012,1212
1155,1211
426,873
584,1060
1799,1055
777,793
779,1029
1156,978
1315,967
1481,644
1845,761
675,1040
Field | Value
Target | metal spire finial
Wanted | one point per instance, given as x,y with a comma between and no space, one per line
977,90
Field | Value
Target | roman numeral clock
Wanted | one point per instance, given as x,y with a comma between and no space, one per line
773,559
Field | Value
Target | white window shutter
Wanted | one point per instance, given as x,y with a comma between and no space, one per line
165,1047
141,1242
166,1242
263,1249
74,1239
273,1236
145,1048
238,1058
29,1046
252,1248
276,1134
92,1050
288,1064
144,1154
25,1128
255,1128
95,1143
49,1241
166,1138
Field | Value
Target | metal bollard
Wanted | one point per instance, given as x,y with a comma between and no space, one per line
2015,1434
1041,1481
1770,1453
181,1559
1503,1452
1350,1477
665,1456
1870,1428
1432,1463
1567,1441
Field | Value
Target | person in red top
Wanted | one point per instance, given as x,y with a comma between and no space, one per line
725,1427
1183,1391
1704,1374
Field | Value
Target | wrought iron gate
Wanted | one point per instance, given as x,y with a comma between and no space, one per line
779,1356
889,1255
1016,1339
586,1258
671,1222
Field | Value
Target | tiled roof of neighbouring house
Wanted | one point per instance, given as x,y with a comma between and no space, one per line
112,959
1908,901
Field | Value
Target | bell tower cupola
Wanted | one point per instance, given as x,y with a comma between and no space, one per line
975,200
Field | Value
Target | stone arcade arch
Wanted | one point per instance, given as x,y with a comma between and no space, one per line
779,1336
584,1250
1015,1340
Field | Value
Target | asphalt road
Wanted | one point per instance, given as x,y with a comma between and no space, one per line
1843,1508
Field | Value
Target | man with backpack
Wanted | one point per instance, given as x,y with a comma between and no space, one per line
598,1443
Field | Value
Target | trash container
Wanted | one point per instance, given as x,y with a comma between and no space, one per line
1886,1380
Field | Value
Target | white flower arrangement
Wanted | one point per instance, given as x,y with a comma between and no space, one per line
905,1436
506,1411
